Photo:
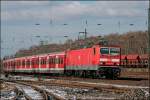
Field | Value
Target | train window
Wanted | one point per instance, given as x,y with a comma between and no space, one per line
11,63
32,62
44,61
41,62
19,63
53,60
23,63
37,62
61,60
49,60
104,51
28,63
56,60
15,63
114,51
94,51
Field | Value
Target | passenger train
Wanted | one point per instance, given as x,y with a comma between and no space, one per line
96,61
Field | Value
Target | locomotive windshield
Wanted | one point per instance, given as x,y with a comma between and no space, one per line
114,51
104,50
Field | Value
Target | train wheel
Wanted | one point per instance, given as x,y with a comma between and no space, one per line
84,74
94,74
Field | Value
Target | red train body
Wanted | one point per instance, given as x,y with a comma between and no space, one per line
98,60
95,61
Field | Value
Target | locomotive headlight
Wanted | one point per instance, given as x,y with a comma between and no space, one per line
101,62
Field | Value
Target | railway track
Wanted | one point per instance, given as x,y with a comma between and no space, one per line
28,91
45,91
77,84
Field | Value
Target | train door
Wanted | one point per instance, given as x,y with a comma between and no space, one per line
33,64
37,64
59,63
51,63
28,63
62,61
43,63
23,65
16,67
56,62
13,66
8,63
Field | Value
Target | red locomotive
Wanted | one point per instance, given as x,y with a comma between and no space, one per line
95,61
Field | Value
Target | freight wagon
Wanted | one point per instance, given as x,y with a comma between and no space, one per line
134,61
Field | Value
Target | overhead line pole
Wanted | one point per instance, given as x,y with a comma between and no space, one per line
149,41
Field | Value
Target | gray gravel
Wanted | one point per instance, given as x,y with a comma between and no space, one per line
7,95
136,94
80,93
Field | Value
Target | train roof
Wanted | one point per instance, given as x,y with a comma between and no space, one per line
33,56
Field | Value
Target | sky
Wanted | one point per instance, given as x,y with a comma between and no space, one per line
22,22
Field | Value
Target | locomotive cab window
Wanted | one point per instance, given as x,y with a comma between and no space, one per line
104,50
114,51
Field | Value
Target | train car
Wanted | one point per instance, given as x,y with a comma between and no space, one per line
130,60
5,66
48,63
134,60
56,62
9,65
95,61
144,60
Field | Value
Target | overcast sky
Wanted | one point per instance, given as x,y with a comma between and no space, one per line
19,20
